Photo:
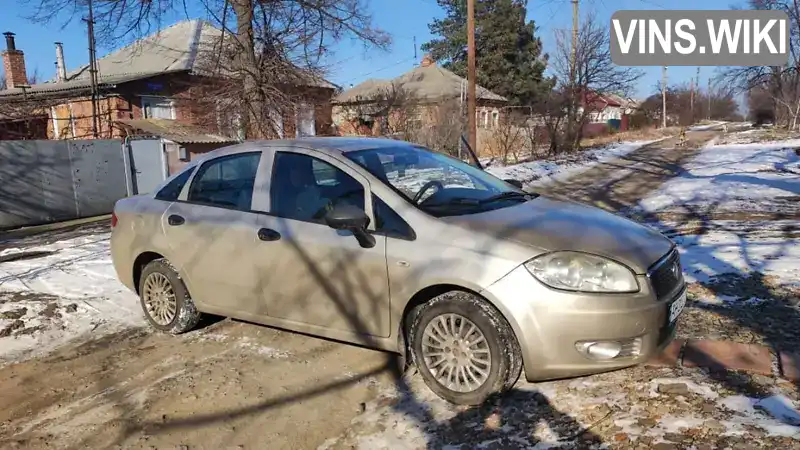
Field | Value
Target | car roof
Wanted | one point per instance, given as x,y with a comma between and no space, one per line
325,144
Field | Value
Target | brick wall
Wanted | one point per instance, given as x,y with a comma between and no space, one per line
184,90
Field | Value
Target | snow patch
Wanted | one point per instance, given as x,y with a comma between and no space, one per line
69,289
738,177
776,415
541,171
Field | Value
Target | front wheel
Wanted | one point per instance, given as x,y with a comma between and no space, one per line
464,349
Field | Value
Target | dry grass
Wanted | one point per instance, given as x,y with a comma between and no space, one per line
644,134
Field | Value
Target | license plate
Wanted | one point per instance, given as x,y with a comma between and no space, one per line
676,307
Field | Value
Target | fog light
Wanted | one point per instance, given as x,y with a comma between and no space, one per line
600,350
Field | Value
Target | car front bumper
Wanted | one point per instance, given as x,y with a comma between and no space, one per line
554,328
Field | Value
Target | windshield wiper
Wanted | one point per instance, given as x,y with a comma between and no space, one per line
465,201
507,196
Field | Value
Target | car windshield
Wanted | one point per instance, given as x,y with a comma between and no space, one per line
437,183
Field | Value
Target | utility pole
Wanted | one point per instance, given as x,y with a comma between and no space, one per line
415,51
693,85
574,51
92,68
664,97
472,106
691,99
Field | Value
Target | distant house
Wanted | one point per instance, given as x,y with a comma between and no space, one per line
149,87
372,106
604,110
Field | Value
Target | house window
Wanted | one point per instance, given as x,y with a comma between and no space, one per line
484,119
305,120
158,108
495,119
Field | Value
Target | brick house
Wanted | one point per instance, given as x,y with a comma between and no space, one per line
150,86
366,108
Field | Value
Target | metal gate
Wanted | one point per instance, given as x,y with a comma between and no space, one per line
147,164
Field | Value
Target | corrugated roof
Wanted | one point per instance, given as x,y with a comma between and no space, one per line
187,46
175,131
425,83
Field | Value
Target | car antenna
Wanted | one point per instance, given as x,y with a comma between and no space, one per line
471,152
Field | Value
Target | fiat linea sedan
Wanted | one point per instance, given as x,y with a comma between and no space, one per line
390,245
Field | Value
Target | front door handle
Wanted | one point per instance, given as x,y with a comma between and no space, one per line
268,234
175,220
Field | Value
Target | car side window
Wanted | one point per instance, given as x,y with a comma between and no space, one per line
226,181
305,188
388,222
173,189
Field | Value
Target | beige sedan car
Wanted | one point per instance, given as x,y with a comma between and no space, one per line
387,244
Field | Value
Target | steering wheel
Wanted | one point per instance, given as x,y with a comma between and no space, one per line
425,187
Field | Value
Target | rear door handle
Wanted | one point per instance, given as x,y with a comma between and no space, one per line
175,220
268,234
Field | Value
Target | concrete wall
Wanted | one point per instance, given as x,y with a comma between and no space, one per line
50,181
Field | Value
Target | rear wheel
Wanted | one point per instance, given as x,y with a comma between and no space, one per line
165,299
463,347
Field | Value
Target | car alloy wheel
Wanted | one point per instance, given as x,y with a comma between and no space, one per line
456,353
159,299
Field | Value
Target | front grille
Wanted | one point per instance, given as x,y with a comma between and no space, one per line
666,275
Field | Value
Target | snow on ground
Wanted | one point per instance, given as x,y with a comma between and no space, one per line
705,127
50,294
542,171
724,211
738,177
723,246
635,408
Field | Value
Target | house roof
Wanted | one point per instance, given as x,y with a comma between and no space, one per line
188,46
174,131
424,83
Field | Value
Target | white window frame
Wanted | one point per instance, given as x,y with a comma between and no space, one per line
148,99
55,122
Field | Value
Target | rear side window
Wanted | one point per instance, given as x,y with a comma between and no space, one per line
173,189
226,181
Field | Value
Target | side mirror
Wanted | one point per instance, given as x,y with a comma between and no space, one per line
515,183
351,218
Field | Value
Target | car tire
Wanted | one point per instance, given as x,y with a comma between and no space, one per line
160,277
479,376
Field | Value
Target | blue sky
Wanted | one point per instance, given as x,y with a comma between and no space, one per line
403,19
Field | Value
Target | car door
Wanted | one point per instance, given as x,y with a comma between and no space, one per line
213,234
327,278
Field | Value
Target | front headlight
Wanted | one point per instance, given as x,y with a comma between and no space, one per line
582,272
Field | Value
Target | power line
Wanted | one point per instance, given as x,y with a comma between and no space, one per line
379,70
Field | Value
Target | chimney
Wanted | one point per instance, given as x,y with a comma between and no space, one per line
61,68
427,61
14,63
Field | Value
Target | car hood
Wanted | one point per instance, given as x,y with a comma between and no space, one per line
549,224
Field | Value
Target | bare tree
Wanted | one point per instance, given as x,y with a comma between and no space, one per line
780,83
595,75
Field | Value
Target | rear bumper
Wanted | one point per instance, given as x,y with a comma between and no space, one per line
555,327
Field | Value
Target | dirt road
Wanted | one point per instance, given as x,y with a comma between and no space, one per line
620,183
233,384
